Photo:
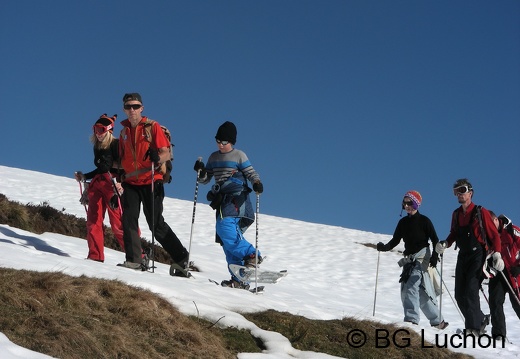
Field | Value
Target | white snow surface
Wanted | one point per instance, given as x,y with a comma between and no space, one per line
332,273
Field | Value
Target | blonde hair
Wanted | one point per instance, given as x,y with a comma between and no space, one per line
102,145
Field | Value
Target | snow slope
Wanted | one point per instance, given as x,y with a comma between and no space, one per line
331,272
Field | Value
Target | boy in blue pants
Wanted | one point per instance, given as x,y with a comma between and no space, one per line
229,197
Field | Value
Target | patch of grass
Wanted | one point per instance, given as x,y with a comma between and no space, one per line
335,337
81,317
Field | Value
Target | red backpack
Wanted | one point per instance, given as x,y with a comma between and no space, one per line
513,249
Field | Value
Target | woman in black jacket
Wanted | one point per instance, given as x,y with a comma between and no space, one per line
416,286
101,191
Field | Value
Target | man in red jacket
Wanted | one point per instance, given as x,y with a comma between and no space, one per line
476,236
138,154
500,284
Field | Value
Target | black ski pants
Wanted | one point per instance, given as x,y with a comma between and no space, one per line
468,279
132,199
498,288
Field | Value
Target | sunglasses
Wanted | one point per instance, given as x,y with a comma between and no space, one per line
461,190
222,142
407,203
100,129
135,107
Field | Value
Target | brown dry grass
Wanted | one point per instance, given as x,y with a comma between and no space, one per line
69,317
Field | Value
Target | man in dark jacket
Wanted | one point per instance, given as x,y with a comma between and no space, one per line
477,238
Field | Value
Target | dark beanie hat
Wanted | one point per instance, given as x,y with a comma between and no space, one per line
134,96
106,121
227,132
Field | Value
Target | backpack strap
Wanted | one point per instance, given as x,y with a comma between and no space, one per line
474,212
148,129
482,231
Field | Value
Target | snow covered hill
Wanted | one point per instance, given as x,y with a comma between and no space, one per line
332,271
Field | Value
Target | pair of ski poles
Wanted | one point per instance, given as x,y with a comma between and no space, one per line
187,267
440,299
193,224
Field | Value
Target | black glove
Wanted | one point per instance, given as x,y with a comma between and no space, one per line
198,166
114,202
381,247
153,154
258,187
80,177
84,196
434,259
214,196
215,199
515,271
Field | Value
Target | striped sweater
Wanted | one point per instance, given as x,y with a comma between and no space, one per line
232,170
224,165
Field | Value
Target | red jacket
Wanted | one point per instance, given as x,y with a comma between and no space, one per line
133,146
511,251
464,219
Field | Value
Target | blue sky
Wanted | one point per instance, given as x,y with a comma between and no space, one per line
342,106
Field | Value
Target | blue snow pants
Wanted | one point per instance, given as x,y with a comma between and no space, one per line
235,246
418,292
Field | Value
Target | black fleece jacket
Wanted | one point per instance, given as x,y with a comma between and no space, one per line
415,230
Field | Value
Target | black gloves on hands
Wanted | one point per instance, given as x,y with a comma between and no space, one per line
258,187
84,196
153,154
80,177
214,196
434,259
381,247
198,166
114,202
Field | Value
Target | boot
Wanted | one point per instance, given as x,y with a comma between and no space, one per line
249,261
234,284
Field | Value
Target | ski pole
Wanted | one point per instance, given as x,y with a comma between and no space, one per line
453,300
375,290
510,288
484,294
116,192
152,252
440,299
193,218
517,291
256,242
81,194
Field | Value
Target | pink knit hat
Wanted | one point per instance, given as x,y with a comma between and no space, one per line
415,197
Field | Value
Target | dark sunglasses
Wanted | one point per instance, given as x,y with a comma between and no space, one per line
461,190
407,203
135,107
100,129
222,142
